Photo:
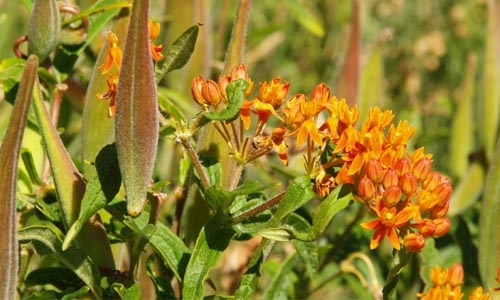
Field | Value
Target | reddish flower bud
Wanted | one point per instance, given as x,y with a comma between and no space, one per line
403,166
439,211
366,189
456,275
426,227
408,184
196,87
211,93
414,242
373,170
390,178
392,195
432,180
422,168
442,226
443,192
321,93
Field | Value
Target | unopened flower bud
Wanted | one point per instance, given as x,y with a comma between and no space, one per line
422,168
403,166
390,178
426,227
432,180
442,226
456,275
373,169
414,242
211,93
408,183
392,195
366,189
439,211
443,192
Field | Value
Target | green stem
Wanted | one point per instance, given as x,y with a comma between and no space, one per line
196,162
258,209
236,49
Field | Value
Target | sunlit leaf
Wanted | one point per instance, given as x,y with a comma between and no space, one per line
236,94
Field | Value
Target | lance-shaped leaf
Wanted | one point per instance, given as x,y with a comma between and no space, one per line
74,259
70,186
179,53
236,94
9,156
136,125
44,28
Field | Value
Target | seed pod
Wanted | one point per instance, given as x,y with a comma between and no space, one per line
44,28
136,125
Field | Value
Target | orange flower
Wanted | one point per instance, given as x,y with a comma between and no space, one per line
388,224
112,83
114,54
278,138
154,32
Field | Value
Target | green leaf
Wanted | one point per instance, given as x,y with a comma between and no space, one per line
212,241
336,201
306,17
236,94
283,280
468,190
220,199
131,292
101,189
169,246
179,53
280,234
489,227
307,250
73,258
9,156
298,193
61,278
401,259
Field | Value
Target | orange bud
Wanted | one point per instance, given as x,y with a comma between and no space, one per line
390,178
196,87
443,192
402,166
321,93
211,93
422,168
408,183
366,189
426,227
456,275
439,211
414,242
373,169
442,226
392,195
432,180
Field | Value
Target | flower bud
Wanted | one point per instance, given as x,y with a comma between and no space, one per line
366,189
442,226
44,28
402,166
392,195
432,180
439,211
373,169
422,168
408,184
456,275
211,93
426,227
443,192
414,242
196,88
390,178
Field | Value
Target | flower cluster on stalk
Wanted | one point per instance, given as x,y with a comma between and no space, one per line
114,58
447,285
409,200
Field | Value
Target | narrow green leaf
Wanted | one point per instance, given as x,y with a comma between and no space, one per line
401,259
297,194
280,234
97,129
220,199
236,94
372,82
307,250
137,120
131,292
9,156
179,53
339,199
169,246
306,17
101,189
462,127
282,281
468,190
44,28
73,258
212,241
489,227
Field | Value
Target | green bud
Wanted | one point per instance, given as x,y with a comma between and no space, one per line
44,28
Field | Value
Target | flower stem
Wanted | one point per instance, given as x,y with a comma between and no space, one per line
258,209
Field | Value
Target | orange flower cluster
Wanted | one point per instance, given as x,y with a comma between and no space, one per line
114,57
409,200
446,285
